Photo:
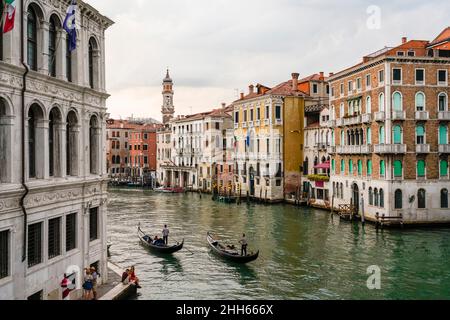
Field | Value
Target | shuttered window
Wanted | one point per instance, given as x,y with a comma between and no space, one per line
4,254
34,244
71,232
54,238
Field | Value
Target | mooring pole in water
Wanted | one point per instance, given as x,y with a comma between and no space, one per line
362,209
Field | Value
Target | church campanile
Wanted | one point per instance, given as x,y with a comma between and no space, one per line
168,110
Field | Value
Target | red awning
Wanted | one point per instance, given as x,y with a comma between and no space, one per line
325,165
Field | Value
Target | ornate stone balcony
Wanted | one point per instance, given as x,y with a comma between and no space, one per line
352,120
331,150
422,115
267,122
380,116
398,115
366,118
339,122
422,148
390,148
444,115
362,149
444,148
331,123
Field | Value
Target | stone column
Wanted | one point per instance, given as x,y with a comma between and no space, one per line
61,49
43,30
42,149
60,150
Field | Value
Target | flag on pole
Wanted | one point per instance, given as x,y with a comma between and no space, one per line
10,8
70,25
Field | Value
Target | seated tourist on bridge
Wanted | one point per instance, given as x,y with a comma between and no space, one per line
126,276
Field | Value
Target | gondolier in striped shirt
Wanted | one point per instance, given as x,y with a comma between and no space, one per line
244,244
165,233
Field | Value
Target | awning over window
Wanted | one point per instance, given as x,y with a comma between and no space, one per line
325,165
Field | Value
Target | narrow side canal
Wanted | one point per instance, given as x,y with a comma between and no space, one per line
304,253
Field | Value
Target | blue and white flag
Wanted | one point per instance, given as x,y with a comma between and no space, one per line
70,26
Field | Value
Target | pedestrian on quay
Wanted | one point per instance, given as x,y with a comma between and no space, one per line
165,233
95,276
126,276
244,244
87,284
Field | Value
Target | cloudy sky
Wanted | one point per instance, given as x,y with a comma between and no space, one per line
216,48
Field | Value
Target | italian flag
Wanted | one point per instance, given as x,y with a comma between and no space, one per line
10,15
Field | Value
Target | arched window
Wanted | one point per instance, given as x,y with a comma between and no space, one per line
32,39
342,137
52,47
369,136
382,139
306,166
375,197
360,167
118,159
368,105
421,168
5,142
369,167
397,101
36,158
93,64
350,166
342,111
381,104
420,101
54,142
342,166
420,134
397,133
442,102
444,199
398,199
398,169
72,132
421,197
333,166
370,196
381,198
443,134
342,191
94,145
382,168
443,168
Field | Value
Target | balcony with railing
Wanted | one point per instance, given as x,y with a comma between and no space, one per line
366,118
444,148
352,120
257,123
278,122
267,122
331,123
390,148
398,115
339,122
244,125
331,150
361,149
236,125
444,115
422,115
422,148
380,116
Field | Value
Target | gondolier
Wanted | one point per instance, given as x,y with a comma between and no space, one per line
165,233
244,245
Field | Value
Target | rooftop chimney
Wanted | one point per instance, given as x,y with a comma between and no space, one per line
404,40
242,96
295,81
322,76
251,89
331,74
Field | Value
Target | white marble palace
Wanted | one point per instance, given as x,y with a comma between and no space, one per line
52,149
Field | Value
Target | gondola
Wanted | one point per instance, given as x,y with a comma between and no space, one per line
229,253
159,249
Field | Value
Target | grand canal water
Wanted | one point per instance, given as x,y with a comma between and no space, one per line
305,254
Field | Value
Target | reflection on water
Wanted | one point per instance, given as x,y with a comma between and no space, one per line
304,253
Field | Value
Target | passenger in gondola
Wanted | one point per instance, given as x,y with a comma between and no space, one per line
147,238
158,241
244,244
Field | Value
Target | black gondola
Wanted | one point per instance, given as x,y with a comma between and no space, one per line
229,253
159,249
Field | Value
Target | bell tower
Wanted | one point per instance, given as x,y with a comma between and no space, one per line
168,109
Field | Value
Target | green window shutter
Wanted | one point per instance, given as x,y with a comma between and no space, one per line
420,131
342,138
397,102
382,168
333,166
360,168
369,167
420,101
443,134
444,168
398,168
342,166
350,166
421,168
369,136
382,140
397,135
